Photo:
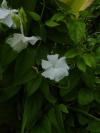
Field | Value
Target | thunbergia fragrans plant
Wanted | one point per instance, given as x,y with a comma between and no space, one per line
19,41
49,66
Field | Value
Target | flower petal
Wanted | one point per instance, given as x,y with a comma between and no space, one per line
16,42
4,4
4,13
32,40
49,73
7,21
60,74
6,16
62,63
52,58
46,64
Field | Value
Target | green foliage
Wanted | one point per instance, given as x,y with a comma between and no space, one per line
29,103
85,97
76,30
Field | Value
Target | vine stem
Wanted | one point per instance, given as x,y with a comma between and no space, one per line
21,26
43,8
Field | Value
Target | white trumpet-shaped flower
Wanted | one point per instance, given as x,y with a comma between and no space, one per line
18,42
55,69
6,14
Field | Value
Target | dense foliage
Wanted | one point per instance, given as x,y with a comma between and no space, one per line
31,103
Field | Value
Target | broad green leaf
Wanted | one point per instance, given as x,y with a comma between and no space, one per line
33,85
35,16
98,53
7,56
65,1
23,18
89,60
43,126
51,23
24,78
24,63
97,96
77,5
23,15
71,53
97,80
63,108
57,17
47,125
89,79
83,119
69,84
85,97
54,121
31,112
94,126
16,20
46,92
8,93
81,65
60,120
76,30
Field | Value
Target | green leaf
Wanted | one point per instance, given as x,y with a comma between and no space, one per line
24,78
46,92
35,16
69,84
16,20
63,108
7,56
31,112
85,97
51,23
24,63
43,126
8,93
97,80
97,96
76,30
89,79
82,119
47,125
23,18
54,20
89,60
60,120
71,53
33,85
57,17
54,121
94,127
81,65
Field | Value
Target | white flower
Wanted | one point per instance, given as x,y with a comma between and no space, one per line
6,14
55,69
18,42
